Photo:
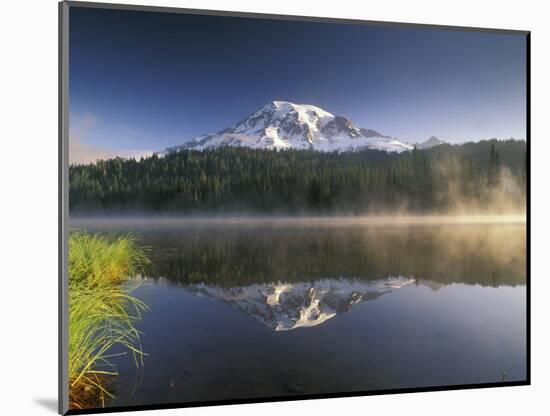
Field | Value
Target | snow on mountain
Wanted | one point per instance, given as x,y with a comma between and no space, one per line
284,125
287,306
431,142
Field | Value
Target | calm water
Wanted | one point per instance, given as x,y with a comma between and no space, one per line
256,310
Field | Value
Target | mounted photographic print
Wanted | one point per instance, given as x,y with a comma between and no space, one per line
263,208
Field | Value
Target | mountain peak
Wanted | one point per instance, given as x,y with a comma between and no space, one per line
285,125
287,106
431,142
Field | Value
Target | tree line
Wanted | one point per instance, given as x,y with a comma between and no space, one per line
244,180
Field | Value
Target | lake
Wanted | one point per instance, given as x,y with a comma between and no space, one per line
256,309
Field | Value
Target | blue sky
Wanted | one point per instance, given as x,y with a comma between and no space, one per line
143,81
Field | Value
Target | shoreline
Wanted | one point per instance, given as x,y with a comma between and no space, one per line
305,221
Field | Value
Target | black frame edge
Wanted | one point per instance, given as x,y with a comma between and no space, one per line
280,399
63,126
528,201
322,19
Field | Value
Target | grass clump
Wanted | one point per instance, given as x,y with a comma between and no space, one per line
98,260
102,312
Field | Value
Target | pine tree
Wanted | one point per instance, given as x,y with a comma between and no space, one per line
494,171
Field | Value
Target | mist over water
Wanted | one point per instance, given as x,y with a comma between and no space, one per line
153,221
226,251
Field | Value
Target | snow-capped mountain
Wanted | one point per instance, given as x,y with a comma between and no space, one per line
286,306
284,125
431,142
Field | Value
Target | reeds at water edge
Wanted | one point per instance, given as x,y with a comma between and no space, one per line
102,312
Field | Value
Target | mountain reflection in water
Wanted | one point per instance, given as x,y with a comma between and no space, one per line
286,306
290,278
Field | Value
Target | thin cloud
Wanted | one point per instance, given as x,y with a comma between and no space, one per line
83,152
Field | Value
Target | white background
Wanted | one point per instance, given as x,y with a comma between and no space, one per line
28,233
